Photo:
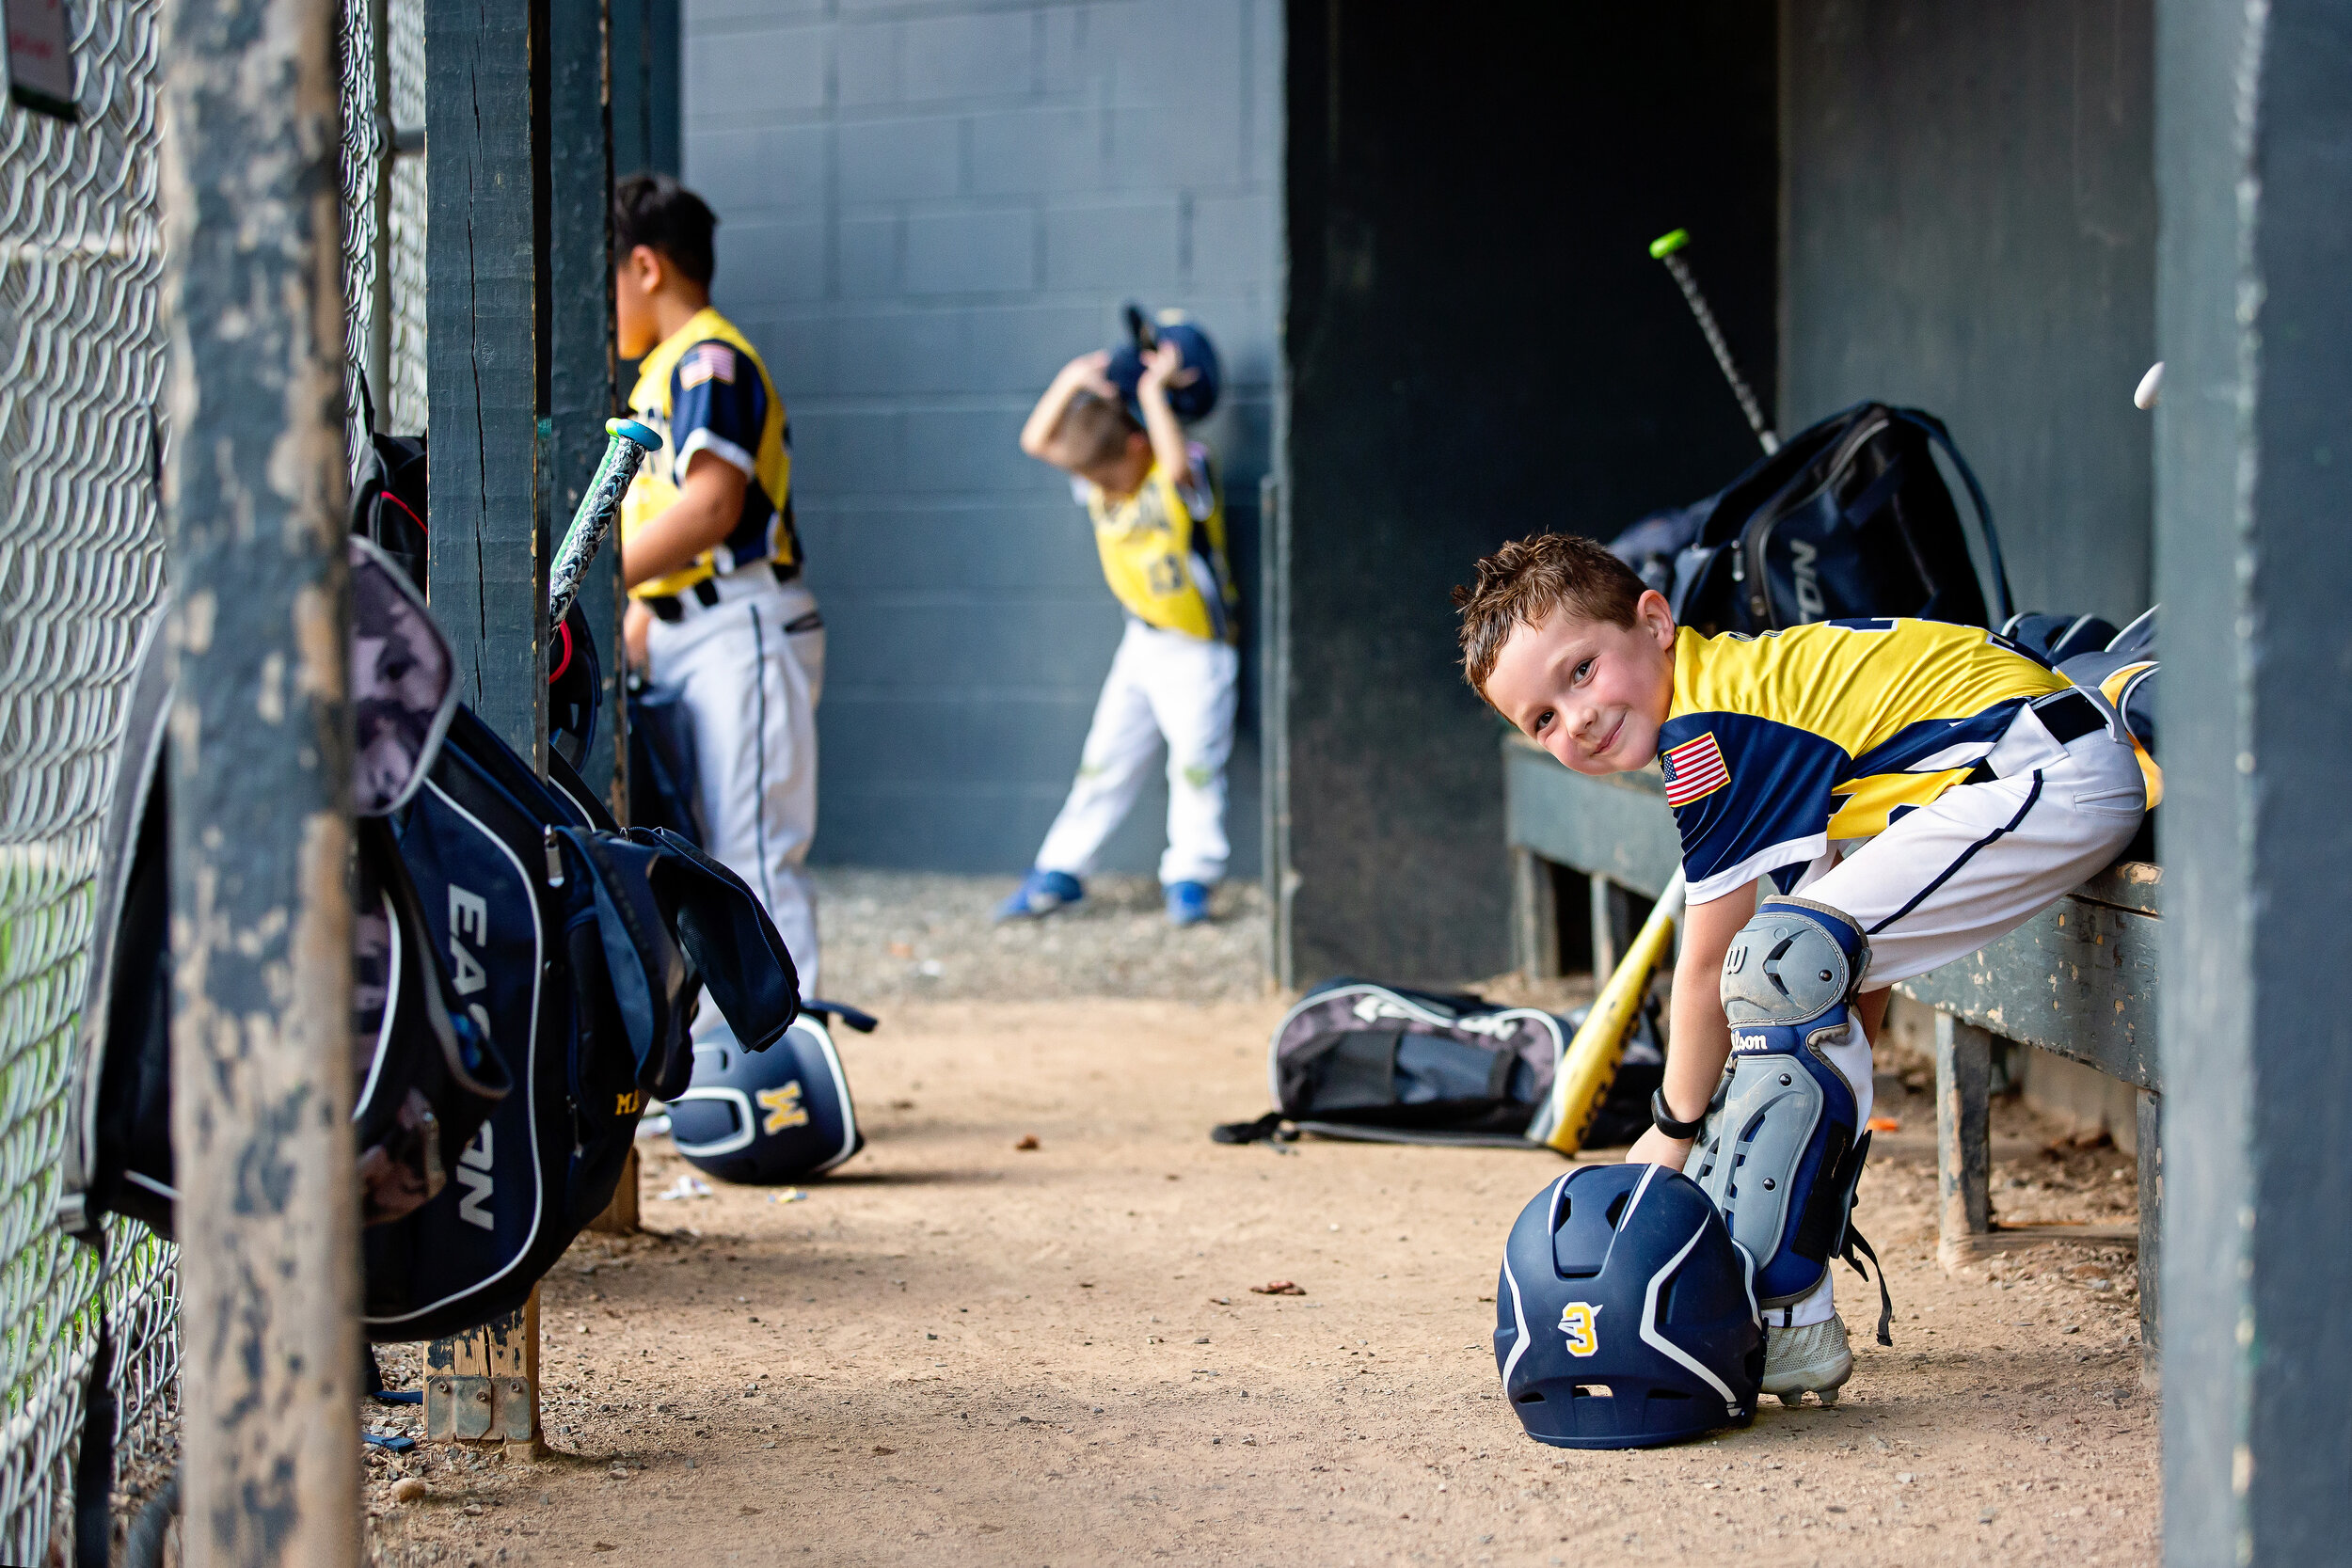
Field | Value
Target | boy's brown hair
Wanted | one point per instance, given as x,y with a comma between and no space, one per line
1094,430
1528,579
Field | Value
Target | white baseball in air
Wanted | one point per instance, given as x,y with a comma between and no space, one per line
2144,396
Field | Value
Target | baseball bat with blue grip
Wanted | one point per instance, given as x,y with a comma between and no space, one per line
627,445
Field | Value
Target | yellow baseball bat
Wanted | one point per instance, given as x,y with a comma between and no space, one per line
1590,1064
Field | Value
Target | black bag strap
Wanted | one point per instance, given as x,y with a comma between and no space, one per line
1856,1241
1266,1129
367,401
94,1467
856,1017
1998,607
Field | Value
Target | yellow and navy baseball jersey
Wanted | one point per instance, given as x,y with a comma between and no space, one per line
1777,744
1162,550
704,390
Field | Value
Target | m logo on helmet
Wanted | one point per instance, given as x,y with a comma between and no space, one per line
1576,1322
783,1108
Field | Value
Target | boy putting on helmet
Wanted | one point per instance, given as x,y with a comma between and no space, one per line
1113,424
1898,792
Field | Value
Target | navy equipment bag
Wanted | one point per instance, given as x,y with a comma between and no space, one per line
1851,518
584,948
524,976
426,1071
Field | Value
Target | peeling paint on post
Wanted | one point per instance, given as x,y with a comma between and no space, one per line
260,917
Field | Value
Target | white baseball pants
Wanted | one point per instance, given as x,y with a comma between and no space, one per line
1970,867
1161,685
753,688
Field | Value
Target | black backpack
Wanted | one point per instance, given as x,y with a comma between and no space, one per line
1386,1063
1356,1059
387,492
1850,519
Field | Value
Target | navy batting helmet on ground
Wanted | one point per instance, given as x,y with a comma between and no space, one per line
1625,1315
1196,397
769,1118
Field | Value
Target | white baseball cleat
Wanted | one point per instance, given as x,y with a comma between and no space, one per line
1814,1356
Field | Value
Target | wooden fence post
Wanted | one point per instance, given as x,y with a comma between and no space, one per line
259,782
485,75
520,359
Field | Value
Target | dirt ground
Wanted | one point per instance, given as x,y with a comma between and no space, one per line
960,1351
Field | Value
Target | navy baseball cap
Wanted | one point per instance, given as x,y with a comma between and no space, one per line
1190,402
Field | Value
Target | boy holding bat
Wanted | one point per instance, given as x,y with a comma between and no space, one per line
1898,792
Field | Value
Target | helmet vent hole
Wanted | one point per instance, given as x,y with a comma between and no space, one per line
1616,1208
1594,1391
1530,1397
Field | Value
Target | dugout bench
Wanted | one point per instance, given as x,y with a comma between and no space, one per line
2078,980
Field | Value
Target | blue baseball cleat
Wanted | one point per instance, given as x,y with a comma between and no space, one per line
1041,893
1187,903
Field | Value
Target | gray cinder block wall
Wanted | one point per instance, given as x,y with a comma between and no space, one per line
925,210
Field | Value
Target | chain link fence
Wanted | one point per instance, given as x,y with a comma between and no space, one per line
81,562
384,209
81,565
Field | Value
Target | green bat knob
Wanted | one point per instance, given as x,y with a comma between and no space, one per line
1667,245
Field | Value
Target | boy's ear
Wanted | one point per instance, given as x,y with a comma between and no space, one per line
645,268
1654,615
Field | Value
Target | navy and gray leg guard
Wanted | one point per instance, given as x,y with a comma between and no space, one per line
1781,1150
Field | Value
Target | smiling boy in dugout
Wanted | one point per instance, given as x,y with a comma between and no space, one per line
1899,792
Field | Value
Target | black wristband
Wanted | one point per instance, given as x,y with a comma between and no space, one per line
1663,1120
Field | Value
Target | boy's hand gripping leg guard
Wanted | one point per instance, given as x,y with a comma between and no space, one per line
1781,1150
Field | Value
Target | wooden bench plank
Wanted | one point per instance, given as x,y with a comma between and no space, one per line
2078,980
1616,827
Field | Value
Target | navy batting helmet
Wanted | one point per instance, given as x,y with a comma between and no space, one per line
1626,1316
768,1118
1196,397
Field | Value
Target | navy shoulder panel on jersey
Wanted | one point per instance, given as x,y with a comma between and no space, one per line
716,388
1743,789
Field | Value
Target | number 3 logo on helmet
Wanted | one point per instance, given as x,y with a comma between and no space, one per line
1576,1322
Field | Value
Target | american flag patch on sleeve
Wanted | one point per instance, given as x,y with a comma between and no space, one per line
707,363
1693,768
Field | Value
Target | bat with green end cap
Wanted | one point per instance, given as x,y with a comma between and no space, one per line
626,446
1668,248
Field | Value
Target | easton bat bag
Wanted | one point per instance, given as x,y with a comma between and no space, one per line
524,975
427,1073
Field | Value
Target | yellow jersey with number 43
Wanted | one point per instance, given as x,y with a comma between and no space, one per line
1163,552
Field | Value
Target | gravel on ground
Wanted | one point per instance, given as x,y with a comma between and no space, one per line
891,935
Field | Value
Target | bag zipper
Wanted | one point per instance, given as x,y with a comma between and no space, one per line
1758,534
